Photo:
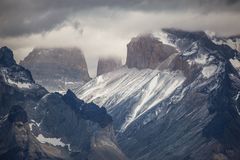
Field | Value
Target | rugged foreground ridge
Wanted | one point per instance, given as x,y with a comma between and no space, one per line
57,68
36,124
186,109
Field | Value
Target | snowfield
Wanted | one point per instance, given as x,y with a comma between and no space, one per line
147,87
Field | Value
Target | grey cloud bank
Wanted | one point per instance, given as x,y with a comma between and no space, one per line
102,28
23,17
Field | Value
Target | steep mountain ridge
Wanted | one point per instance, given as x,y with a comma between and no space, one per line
36,124
192,114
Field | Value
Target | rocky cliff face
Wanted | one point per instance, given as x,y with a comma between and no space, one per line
146,51
57,69
17,142
106,65
6,57
36,124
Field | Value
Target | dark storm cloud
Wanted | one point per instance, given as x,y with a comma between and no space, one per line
25,17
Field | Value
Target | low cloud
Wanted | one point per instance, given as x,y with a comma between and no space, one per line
103,28
26,17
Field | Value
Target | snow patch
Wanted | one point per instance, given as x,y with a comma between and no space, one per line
236,99
209,71
233,43
192,50
19,84
52,141
235,63
163,37
201,59
32,123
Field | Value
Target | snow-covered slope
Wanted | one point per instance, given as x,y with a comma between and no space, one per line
234,43
231,41
183,110
147,87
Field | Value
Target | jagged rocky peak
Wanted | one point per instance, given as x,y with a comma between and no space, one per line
57,68
12,73
6,57
33,123
232,41
147,51
108,64
88,111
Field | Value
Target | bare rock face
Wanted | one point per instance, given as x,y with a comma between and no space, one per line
106,65
55,68
6,57
36,124
146,51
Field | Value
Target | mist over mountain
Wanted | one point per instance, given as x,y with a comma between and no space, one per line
120,80
57,69
108,64
177,97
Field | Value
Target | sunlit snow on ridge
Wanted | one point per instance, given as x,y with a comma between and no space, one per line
160,87
149,87
19,84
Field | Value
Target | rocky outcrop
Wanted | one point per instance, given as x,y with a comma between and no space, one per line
6,57
146,51
17,141
57,69
43,125
106,65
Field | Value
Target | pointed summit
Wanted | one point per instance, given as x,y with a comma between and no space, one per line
6,57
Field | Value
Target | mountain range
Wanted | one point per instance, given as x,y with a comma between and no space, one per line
177,97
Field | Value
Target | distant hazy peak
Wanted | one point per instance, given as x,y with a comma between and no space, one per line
109,64
54,68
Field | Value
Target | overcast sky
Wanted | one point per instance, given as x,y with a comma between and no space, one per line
104,27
